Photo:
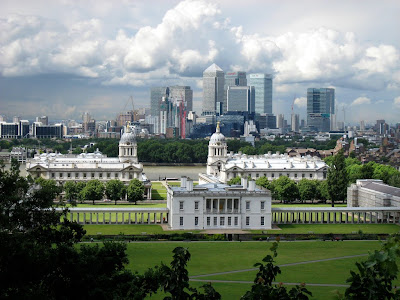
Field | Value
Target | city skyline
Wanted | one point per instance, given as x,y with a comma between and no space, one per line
63,58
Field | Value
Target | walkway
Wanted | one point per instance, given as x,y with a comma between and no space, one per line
196,277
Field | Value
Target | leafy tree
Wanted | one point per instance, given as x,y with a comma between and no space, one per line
375,276
93,190
307,189
80,185
77,150
354,172
250,150
49,187
115,189
286,189
175,279
263,182
263,287
322,190
71,192
367,170
135,190
235,180
337,179
384,172
394,180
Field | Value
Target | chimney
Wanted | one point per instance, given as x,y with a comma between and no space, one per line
183,181
189,185
243,182
252,186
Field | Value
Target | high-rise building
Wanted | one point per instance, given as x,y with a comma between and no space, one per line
320,106
362,126
183,93
156,95
240,99
295,122
213,89
44,120
233,79
280,121
263,92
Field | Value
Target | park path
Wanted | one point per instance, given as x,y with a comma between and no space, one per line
194,278
286,283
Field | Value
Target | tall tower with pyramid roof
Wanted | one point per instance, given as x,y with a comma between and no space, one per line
213,89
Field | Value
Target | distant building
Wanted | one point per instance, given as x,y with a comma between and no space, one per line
87,166
233,79
44,120
240,99
266,121
320,106
280,121
372,193
15,130
156,96
183,93
295,123
41,131
263,92
224,166
213,89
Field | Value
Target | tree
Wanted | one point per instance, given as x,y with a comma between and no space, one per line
135,190
115,190
49,187
94,190
175,279
337,179
71,192
80,185
263,182
235,180
384,172
263,287
322,190
307,189
374,279
286,189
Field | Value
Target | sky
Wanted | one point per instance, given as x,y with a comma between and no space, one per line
61,58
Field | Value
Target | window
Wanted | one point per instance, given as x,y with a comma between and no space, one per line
222,221
257,175
52,175
303,175
208,221
69,175
273,175
92,175
247,221
262,221
61,175
280,174
310,175
101,175
215,221
229,221
116,175
208,204
130,176
76,175
236,221
181,205
181,221
247,205
108,175
262,204
324,175
84,175
295,175
196,205
196,221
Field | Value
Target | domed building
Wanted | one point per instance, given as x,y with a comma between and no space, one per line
221,166
88,166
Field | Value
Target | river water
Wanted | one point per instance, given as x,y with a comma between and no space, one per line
158,172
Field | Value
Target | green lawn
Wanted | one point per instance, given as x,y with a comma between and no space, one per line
213,257
332,228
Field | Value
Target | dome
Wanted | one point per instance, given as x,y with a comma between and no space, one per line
217,136
128,138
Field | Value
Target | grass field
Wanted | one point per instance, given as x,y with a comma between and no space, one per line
216,257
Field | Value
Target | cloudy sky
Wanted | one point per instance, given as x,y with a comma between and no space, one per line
62,57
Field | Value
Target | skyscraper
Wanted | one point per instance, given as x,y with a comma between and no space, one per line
320,106
213,89
240,99
295,122
156,95
184,93
263,92
233,79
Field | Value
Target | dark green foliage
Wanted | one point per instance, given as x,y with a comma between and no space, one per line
284,189
135,190
115,190
93,190
263,182
263,287
337,179
374,277
71,191
307,189
235,180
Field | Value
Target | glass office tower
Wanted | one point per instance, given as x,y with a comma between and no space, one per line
263,92
213,89
320,107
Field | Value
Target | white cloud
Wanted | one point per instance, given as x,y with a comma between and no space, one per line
301,102
361,101
396,101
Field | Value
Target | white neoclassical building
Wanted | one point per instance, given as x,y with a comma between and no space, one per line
218,206
225,166
88,166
